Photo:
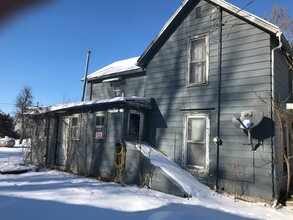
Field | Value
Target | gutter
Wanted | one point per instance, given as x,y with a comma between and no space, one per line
276,193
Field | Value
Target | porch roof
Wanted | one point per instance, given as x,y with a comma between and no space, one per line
139,102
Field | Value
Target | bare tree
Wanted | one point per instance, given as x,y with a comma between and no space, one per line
281,18
24,100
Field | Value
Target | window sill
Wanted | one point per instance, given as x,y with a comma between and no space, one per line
196,84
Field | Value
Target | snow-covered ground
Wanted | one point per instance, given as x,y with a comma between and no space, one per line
48,195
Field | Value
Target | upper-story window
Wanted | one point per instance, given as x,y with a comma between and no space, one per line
198,61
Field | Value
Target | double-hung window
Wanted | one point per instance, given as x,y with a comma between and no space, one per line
198,60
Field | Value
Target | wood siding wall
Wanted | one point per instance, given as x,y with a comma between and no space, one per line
245,73
132,85
282,90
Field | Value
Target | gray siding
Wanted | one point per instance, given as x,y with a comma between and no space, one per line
103,151
282,90
245,72
132,85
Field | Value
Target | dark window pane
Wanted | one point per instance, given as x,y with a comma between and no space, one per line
100,120
74,121
134,122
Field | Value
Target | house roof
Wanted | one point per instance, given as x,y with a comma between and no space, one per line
120,67
183,11
134,101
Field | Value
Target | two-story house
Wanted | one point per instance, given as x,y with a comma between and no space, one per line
202,93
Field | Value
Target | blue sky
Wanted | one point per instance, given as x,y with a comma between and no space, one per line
45,46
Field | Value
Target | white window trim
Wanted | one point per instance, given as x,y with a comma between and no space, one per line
140,123
207,139
205,82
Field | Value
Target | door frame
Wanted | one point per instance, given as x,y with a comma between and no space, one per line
206,116
63,140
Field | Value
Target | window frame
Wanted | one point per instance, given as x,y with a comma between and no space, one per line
103,127
206,143
141,123
77,127
204,81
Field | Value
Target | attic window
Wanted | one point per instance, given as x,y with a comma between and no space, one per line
198,12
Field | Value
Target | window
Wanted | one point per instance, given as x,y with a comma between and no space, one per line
196,140
197,12
135,125
74,128
197,73
41,128
100,125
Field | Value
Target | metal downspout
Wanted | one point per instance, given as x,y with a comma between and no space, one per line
276,193
219,142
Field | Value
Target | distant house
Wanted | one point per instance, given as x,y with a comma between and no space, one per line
201,93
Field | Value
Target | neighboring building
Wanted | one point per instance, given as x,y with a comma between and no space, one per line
203,92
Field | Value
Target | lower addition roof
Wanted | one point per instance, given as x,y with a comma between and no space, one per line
138,102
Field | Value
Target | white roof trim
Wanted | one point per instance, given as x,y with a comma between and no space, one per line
257,21
248,16
111,79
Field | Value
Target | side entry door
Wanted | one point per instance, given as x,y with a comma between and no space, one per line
197,131
63,141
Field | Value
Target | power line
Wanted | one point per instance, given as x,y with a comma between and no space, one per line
241,9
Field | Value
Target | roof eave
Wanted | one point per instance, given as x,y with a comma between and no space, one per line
128,72
165,32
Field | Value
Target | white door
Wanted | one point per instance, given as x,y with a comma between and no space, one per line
63,141
196,144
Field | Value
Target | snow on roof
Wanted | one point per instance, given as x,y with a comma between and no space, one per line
116,67
59,107
188,183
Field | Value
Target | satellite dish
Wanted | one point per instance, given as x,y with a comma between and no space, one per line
247,119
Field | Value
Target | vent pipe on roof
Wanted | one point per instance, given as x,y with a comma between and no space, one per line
85,74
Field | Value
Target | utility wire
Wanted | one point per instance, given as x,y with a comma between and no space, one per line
241,9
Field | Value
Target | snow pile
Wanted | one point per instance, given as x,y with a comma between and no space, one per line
26,143
189,184
7,142
56,195
116,67
12,159
16,168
